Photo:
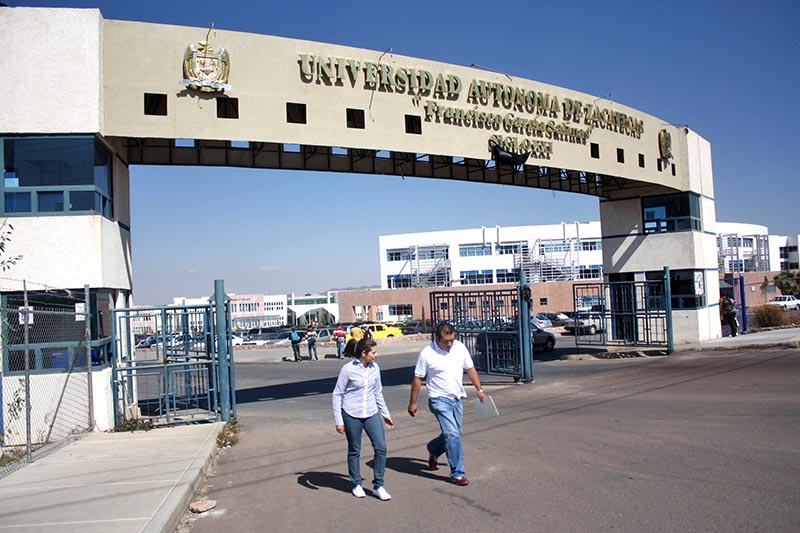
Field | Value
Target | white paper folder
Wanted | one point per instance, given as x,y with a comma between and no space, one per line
485,410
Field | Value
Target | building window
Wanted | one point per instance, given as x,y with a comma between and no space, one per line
595,150
227,107
473,250
543,301
588,246
590,271
476,277
509,249
56,174
155,104
671,212
554,247
687,287
507,276
399,281
398,255
620,155
433,253
414,124
355,119
295,113
641,160
401,310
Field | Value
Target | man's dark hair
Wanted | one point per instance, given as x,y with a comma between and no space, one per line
444,328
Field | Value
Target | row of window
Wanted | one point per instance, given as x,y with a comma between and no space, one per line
661,164
671,213
255,307
56,175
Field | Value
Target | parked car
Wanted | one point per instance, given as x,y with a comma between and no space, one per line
585,322
541,321
786,301
237,340
413,327
380,331
557,319
497,341
147,342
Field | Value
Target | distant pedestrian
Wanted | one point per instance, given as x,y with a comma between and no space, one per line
294,337
311,339
358,405
340,336
727,308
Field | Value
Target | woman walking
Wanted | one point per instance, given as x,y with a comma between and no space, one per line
358,405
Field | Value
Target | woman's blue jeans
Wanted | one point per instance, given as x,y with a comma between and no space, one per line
450,413
374,428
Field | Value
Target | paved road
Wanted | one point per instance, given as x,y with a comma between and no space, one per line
698,441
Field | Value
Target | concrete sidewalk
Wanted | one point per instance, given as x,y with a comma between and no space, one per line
110,482
143,481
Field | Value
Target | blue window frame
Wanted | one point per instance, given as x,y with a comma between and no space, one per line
472,250
671,213
55,175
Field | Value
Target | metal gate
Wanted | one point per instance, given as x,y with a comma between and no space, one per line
182,372
487,322
626,313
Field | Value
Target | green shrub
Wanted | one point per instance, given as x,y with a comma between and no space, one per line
768,316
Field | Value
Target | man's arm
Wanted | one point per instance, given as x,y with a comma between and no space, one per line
476,382
416,385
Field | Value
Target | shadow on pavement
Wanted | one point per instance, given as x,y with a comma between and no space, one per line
324,480
389,378
414,467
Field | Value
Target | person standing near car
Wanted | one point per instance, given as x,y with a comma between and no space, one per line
311,339
340,336
442,364
294,337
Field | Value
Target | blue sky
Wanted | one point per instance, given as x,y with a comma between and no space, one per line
728,69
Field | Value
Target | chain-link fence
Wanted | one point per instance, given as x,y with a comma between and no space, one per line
46,383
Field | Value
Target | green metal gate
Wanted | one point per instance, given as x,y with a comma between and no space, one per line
626,313
182,372
487,322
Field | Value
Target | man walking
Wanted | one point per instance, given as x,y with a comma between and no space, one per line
442,364
340,336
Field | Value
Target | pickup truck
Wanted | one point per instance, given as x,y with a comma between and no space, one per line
786,301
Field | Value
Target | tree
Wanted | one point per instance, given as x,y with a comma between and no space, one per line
788,281
6,230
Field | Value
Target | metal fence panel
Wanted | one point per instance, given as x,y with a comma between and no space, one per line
487,323
45,382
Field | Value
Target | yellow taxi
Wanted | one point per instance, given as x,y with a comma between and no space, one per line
380,331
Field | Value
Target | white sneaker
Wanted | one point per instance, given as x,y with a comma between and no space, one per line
358,492
382,494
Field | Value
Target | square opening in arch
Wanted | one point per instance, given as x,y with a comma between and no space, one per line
355,119
414,124
295,113
155,104
228,107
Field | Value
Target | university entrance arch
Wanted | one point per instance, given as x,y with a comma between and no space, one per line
141,93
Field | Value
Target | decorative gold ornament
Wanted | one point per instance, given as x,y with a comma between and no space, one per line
665,144
205,69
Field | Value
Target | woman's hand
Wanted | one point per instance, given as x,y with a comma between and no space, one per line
339,429
388,422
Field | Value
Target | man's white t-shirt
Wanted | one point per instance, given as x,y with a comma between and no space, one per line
444,371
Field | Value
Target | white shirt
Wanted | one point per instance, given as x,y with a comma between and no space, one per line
444,371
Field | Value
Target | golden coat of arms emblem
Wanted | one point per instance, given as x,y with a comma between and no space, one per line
206,69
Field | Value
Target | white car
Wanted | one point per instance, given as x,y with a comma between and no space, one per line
585,322
236,340
786,301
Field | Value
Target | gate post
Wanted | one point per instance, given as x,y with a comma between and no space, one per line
222,348
668,307
524,293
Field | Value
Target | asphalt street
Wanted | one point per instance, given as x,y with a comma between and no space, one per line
697,441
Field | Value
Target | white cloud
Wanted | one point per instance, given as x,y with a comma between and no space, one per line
270,268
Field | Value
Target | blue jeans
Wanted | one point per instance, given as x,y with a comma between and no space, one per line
312,346
340,349
374,428
449,412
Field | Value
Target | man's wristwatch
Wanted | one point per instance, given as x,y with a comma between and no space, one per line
480,391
